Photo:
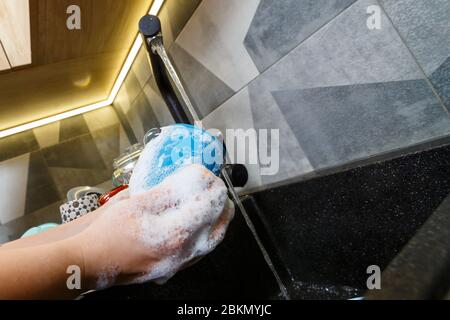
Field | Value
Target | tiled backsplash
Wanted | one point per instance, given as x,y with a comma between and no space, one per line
39,166
337,91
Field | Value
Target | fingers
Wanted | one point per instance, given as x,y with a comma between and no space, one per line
176,223
177,211
191,185
219,229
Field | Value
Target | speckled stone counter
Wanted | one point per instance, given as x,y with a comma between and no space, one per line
422,269
324,233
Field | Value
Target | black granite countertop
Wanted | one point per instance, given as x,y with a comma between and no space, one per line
324,233
422,269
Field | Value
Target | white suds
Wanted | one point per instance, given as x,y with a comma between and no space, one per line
181,219
147,161
107,278
173,149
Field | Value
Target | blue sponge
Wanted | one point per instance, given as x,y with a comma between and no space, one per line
175,147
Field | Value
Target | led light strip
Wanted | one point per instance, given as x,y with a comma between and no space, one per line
156,7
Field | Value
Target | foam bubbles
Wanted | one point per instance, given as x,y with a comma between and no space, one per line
174,148
181,219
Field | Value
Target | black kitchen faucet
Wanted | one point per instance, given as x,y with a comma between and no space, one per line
166,77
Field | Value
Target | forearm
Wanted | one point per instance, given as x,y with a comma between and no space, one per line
56,234
41,272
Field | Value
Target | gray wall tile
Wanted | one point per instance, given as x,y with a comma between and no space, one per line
441,82
158,105
251,108
141,116
206,90
132,86
68,178
107,141
101,118
41,189
339,124
267,115
425,27
72,127
141,67
345,93
174,16
279,26
48,135
215,35
13,189
80,152
345,52
18,144
66,156
236,113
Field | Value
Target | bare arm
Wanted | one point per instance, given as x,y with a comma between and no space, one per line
40,272
59,233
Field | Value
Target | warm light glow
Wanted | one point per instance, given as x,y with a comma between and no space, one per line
126,68
58,117
154,10
156,7
83,82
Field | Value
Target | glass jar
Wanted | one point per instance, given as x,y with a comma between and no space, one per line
124,165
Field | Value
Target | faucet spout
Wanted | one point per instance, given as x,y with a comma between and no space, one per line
150,30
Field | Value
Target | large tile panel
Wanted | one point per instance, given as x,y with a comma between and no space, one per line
159,107
41,189
206,89
18,144
72,128
79,153
141,116
335,125
350,92
13,188
243,111
48,135
215,35
279,26
174,15
425,27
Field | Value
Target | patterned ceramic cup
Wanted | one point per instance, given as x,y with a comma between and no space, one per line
75,209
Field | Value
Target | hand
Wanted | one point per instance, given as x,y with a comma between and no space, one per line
153,235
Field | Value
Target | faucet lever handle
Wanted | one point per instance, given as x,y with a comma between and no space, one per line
149,26
238,174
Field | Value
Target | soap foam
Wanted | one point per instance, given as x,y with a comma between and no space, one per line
180,216
147,160
174,148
